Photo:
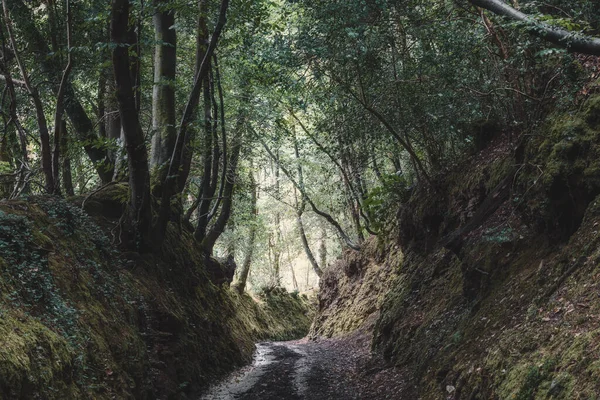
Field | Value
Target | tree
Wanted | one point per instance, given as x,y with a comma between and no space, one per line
241,284
139,172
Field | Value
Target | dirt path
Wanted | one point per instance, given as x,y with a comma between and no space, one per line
332,369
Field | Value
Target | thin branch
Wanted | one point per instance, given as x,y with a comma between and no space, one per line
17,82
356,196
327,217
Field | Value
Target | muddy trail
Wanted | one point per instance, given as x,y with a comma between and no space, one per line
332,369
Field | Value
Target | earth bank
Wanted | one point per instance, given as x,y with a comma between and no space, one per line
488,285
80,318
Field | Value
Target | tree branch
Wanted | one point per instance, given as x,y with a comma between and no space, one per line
287,173
571,41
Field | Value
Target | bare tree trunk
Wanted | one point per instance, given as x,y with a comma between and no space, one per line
139,175
60,107
163,93
241,285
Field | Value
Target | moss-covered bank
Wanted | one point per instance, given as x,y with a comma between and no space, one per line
496,293
81,319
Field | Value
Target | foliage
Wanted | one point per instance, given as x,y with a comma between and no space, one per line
380,200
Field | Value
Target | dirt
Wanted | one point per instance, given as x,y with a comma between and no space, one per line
332,369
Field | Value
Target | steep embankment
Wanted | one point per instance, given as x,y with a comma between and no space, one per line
353,289
497,294
80,319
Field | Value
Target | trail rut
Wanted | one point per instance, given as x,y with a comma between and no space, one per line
328,369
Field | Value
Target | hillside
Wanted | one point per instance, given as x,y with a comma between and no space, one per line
494,293
82,319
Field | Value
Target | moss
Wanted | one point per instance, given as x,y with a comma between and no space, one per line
33,358
80,319
349,301
591,112
532,333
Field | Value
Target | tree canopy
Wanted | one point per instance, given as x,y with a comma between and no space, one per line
274,130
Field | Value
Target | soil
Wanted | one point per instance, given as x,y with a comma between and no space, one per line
322,369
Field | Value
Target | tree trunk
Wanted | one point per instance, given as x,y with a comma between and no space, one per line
174,181
209,241
202,43
45,153
206,192
323,249
60,107
306,246
139,176
67,176
294,280
352,198
217,203
241,285
277,241
300,210
163,94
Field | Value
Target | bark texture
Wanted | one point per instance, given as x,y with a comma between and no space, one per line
139,177
163,95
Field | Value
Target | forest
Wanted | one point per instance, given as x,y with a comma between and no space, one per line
410,185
